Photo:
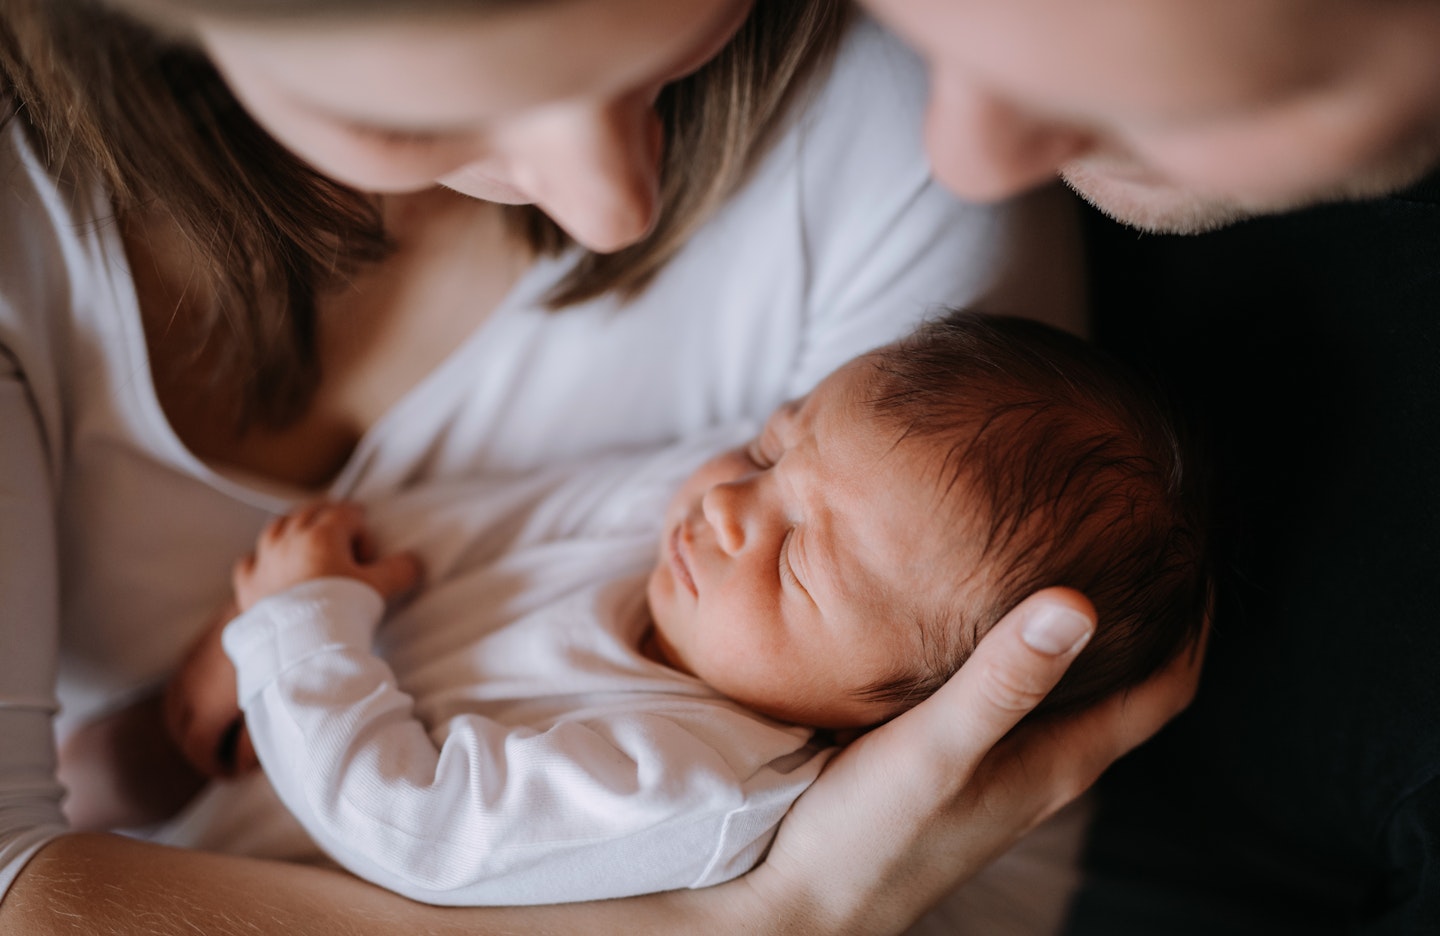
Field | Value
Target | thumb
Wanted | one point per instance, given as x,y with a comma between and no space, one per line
1012,669
911,796
1018,662
394,576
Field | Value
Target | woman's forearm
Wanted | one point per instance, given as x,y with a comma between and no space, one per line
108,884
904,815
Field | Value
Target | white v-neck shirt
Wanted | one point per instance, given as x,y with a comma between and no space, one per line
116,542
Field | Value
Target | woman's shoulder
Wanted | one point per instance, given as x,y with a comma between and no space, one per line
867,115
38,216
56,237
862,173
29,234
62,277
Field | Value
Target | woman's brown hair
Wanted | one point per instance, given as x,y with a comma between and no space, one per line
108,97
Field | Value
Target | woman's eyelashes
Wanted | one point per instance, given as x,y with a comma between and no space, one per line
395,138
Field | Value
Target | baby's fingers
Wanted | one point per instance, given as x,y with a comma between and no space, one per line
338,519
241,574
394,576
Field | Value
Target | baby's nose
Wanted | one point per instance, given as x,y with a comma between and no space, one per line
720,507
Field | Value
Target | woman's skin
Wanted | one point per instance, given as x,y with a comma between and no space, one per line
499,107
552,106
481,105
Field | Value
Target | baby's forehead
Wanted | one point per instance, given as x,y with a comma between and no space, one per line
925,545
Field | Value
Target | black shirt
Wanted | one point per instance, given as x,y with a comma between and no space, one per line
1301,792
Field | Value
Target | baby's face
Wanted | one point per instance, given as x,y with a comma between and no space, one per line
789,570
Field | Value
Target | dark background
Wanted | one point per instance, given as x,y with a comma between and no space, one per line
1299,794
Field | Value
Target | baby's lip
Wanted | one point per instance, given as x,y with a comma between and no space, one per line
679,561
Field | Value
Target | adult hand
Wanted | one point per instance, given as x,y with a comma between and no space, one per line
921,804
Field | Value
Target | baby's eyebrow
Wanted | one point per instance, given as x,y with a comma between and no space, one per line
770,434
785,412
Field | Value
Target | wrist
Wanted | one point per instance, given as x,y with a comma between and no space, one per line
318,616
768,901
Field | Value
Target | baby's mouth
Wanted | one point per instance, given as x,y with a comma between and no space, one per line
678,561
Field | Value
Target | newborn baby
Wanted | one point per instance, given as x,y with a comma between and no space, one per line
547,720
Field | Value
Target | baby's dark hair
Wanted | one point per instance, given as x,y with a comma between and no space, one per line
1081,479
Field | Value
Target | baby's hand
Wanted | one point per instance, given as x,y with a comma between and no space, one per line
201,712
317,541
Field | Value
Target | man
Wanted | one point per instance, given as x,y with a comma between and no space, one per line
1301,792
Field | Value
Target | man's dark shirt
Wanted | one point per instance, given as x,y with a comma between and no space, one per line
1301,792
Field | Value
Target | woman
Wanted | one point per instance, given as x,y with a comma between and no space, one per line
201,328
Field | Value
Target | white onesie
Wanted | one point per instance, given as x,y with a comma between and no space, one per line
521,749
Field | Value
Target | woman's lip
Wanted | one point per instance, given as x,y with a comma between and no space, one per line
677,560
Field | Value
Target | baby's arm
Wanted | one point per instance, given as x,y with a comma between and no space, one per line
202,714
615,801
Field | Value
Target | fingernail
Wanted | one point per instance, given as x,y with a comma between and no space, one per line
1056,631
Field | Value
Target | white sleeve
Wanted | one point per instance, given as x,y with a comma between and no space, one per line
888,246
495,814
29,611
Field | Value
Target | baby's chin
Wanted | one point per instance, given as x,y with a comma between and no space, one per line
659,596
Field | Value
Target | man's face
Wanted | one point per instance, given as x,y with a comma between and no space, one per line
786,568
1179,115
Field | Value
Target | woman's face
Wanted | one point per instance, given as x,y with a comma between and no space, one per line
551,106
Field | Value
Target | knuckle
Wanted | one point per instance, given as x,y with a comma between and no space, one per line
1011,691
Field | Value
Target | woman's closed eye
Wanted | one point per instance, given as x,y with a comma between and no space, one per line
399,138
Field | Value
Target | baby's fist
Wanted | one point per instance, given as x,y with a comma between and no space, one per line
320,540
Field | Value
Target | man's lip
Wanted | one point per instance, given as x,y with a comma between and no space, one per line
677,560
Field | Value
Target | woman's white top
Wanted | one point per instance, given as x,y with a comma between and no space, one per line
507,742
116,541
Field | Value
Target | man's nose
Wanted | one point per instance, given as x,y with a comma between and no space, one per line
984,148
723,507
594,169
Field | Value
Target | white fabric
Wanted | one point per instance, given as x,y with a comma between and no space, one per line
522,750
116,541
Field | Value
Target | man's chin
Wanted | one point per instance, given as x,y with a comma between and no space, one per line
1165,209
1156,208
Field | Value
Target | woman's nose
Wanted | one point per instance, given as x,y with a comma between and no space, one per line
594,169
984,148
723,507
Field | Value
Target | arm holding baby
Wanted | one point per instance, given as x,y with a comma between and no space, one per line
419,804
